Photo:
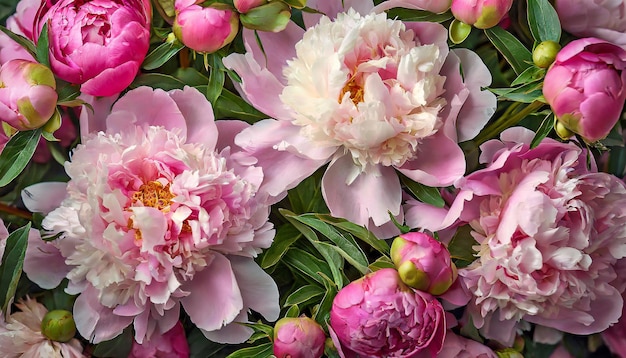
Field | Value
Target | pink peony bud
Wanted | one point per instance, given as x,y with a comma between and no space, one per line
481,14
204,29
298,337
98,44
27,94
244,6
423,263
172,344
586,87
379,316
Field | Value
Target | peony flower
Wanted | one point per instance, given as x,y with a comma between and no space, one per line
21,336
379,316
550,232
482,14
585,87
244,6
99,44
28,95
161,211
171,344
368,95
615,336
423,262
459,347
20,23
604,19
204,29
298,337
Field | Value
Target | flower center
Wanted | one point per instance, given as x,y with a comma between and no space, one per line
356,91
155,195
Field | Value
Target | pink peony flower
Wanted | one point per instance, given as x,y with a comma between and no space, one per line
298,337
370,96
423,262
98,44
459,347
171,344
482,14
604,19
585,87
244,6
161,212
550,232
615,336
20,335
28,95
204,29
379,316
20,23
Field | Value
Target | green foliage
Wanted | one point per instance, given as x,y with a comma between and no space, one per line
543,21
12,262
516,54
16,155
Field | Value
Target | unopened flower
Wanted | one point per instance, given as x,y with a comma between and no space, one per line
482,14
161,214
603,19
368,95
549,231
27,94
204,29
273,16
171,344
423,262
21,335
586,87
98,44
298,337
379,316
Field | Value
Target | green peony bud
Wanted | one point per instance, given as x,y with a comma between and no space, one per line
58,325
272,17
545,53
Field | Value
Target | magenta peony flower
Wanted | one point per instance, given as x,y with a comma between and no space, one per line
586,87
604,19
204,29
368,95
423,262
298,337
171,344
550,232
615,336
482,14
99,44
21,336
459,347
28,95
161,212
379,316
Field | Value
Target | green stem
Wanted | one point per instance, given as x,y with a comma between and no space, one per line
15,211
508,119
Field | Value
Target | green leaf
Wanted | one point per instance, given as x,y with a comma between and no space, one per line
43,55
423,193
216,78
160,55
293,311
12,263
516,54
229,105
543,21
118,347
461,247
527,93
201,347
304,294
531,74
546,127
27,44
192,77
359,231
381,263
322,311
617,161
286,235
157,80
418,15
307,264
260,351
346,245
307,196
16,154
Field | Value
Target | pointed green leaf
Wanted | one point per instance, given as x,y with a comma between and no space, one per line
543,21
16,154
304,294
516,54
12,263
260,351
546,127
27,44
286,235
216,78
359,231
43,56
423,193
160,55
307,264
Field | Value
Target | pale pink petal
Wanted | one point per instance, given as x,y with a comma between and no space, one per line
215,286
198,114
332,8
95,322
93,116
38,251
44,197
228,130
369,195
232,333
258,289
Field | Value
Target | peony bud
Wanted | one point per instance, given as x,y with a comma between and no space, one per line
272,17
423,263
298,337
204,29
481,14
244,6
58,325
27,94
545,53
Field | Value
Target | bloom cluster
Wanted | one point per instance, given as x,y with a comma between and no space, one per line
312,178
